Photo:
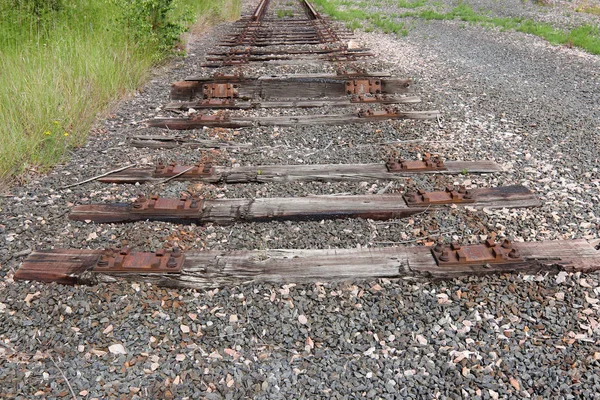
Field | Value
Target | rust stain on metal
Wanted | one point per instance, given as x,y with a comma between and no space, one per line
123,261
220,90
427,164
185,206
388,112
449,196
216,103
490,252
172,169
363,86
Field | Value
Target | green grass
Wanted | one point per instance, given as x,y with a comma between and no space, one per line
284,13
60,68
586,37
356,17
588,9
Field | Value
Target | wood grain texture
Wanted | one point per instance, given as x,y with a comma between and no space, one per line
234,122
247,104
378,207
170,142
311,172
295,87
209,269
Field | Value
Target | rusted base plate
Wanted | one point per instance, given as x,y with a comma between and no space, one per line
449,196
124,261
476,254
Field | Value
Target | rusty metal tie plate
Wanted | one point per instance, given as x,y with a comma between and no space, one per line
427,164
210,118
379,114
362,99
489,252
123,261
185,171
363,86
220,90
216,103
185,206
449,196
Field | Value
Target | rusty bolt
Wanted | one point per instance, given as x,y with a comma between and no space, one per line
124,251
445,256
507,244
411,197
455,246
514,253
176,251
462,189
439,246
159,252
468,195
172,263
138,203
103,262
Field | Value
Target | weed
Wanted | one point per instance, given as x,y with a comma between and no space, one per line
64,61
588,9
284,13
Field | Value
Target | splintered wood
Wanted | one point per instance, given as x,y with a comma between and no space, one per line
227,211
215,268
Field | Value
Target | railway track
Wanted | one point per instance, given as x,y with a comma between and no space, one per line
293,32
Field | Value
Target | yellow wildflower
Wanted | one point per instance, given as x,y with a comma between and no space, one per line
47,133
66,133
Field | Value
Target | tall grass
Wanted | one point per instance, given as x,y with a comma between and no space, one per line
60,67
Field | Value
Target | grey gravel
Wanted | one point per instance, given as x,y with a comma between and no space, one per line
505,96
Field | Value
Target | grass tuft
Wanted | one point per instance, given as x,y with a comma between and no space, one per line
64,64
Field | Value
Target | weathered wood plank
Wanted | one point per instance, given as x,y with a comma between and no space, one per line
169,142
209,269
291,77
309,86
244,105
62,266
233,122
311,172
227,211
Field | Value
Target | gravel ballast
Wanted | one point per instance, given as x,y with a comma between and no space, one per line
509,97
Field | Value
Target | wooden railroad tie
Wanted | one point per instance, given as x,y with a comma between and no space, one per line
307,86
226,121
234,104
309,29
217,268
227,211
393,169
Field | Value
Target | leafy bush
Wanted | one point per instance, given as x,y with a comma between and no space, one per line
148,23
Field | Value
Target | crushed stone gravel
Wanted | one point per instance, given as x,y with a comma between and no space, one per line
505,96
